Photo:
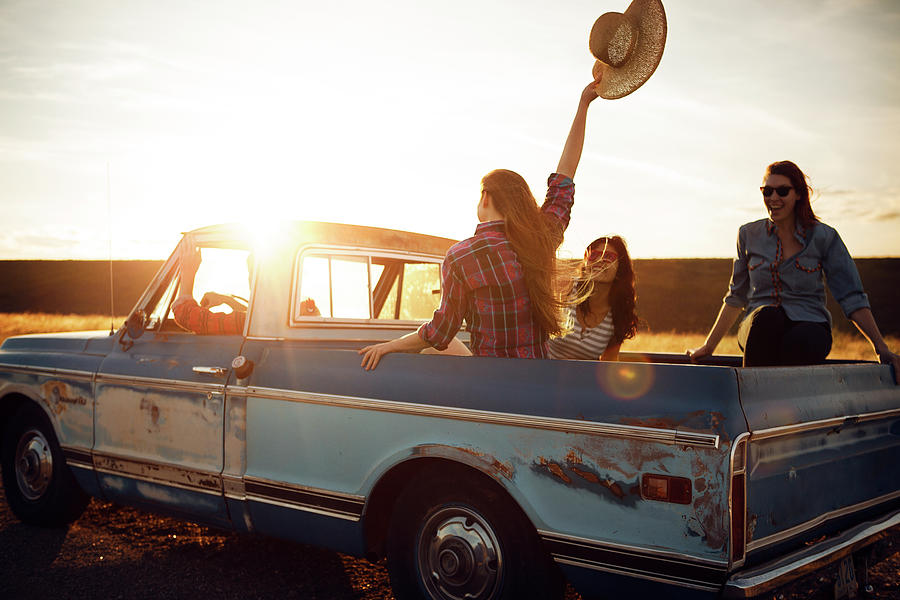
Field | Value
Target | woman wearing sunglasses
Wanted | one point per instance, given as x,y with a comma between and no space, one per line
779,276
602,315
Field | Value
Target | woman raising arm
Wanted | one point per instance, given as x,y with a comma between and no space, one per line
501,280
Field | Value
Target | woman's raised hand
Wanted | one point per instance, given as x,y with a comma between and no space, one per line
571,154
591,92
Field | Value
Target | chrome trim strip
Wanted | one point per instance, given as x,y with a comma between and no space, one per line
234,487
689,438
49,371
768,576
304,508
165,384
78,457
763,434
636,573
228,486
301,497
206,481
743,438
840,512
161,482
652,552
665,436
304,488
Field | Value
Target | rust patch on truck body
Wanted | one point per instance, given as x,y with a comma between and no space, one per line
573,472
493,464
710,503
58,395
699,421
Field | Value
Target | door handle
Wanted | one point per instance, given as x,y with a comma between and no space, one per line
217,371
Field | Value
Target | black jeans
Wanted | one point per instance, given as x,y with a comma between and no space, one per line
769,338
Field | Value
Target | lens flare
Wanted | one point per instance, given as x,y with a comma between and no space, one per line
625,381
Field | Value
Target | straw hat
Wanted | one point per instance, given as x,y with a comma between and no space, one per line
628,47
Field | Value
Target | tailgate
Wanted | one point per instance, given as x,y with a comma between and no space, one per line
824,452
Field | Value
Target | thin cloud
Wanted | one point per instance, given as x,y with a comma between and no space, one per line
871,206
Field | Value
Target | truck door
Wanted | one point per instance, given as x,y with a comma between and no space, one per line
160,405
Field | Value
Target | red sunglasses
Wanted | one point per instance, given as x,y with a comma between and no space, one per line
603,253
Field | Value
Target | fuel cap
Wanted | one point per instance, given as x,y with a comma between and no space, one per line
242,366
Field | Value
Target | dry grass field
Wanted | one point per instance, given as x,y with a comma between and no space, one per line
21,323
847,345
673,294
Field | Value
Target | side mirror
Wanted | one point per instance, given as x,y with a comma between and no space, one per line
135,324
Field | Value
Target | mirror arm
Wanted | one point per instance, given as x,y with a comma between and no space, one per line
126,344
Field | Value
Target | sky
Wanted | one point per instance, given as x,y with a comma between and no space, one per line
123,124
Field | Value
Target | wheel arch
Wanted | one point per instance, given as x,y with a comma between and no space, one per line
12,402
57,498
380,502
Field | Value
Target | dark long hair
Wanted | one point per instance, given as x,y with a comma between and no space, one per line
622,296
800,182
534,236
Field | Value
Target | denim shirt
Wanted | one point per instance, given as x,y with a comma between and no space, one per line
763,276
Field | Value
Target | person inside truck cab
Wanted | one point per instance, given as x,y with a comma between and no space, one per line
601,313
501,280
782,265
199,318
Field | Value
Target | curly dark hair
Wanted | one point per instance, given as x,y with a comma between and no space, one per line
622,296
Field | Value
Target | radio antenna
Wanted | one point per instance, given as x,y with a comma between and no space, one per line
112,309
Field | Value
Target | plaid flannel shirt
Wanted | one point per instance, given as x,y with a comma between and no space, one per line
484,285
193,317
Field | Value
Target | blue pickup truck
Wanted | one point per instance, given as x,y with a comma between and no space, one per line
477,478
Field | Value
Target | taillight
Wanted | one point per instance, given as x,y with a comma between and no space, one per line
737,499
666,488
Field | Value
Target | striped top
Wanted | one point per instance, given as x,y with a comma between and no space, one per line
583,343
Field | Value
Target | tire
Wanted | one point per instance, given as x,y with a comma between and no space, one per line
39,486
471,539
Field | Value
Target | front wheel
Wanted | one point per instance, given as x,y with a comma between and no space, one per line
40,489
465,540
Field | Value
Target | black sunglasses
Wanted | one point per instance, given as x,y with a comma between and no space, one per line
781,189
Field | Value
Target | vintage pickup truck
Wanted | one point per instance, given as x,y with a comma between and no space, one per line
477,478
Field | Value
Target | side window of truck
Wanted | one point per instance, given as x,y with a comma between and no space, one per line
222,270
365,286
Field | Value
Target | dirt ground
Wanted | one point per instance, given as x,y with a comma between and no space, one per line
117,552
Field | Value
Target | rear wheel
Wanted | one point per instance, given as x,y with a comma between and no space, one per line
454,540
39,487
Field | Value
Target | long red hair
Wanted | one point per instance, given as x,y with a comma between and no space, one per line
534,236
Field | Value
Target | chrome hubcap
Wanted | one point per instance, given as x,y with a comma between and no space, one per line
459,556
34,464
